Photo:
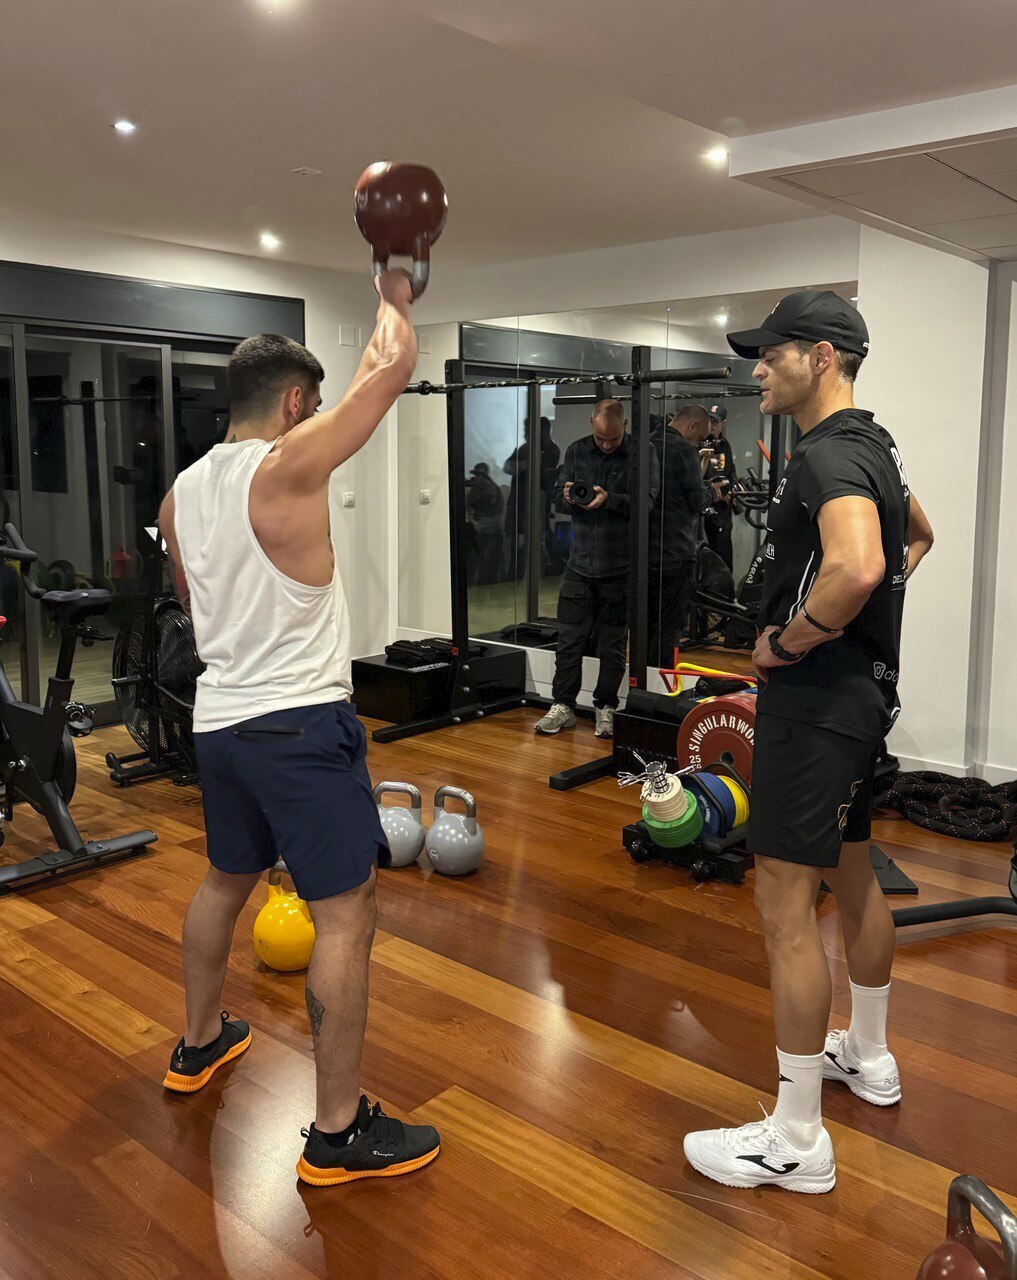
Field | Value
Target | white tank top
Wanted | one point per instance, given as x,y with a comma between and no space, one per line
268,642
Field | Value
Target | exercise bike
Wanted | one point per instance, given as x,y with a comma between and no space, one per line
37,764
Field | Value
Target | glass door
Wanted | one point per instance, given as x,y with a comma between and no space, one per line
12,632
90,494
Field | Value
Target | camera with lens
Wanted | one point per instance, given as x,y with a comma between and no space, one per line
581,493
715,469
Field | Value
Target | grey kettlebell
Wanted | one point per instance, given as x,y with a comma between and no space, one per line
404,828
455,842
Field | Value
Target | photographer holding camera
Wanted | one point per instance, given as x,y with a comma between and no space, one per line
720,519
690,487
593,487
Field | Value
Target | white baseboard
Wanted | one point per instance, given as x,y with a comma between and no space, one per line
995,773
913,764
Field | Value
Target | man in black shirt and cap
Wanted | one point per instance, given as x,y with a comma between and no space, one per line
845,535
720,516
674,526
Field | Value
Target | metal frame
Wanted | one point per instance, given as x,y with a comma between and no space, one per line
463,703
162,344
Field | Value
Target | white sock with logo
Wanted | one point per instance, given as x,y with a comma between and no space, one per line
799,1114
867,1033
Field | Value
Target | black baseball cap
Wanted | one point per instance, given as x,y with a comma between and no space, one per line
717,411
814,315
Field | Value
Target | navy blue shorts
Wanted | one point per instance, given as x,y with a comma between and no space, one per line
305,797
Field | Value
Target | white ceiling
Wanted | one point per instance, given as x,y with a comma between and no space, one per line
740,66
965,195
555,127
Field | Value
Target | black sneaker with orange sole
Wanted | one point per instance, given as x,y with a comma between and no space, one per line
384,1148
191,1069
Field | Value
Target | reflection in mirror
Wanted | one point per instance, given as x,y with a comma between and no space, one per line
707,525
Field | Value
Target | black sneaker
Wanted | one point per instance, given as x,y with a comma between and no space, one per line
384,1148
191,1069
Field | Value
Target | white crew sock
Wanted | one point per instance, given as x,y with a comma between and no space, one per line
867,1033
799,1097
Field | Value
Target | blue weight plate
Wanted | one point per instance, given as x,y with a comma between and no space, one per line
721,796
713,818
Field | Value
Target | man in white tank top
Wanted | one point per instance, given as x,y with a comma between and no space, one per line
280,751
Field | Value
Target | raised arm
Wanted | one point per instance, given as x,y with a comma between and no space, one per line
307,455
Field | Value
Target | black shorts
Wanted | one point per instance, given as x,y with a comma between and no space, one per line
305,797
811,790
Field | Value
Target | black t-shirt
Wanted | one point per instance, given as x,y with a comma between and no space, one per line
848,684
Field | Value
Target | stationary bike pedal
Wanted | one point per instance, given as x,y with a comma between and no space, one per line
80,719
89,635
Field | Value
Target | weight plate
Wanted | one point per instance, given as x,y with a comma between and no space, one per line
740,798
719,729
714,822
721,797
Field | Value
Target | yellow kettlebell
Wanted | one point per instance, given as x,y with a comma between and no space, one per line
283,930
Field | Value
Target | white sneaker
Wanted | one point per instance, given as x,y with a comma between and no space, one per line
877,1082
604,720
758,1155
559,717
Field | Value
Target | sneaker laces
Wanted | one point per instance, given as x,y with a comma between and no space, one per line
762,1131
383,1128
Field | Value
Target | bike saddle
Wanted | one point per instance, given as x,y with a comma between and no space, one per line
70,607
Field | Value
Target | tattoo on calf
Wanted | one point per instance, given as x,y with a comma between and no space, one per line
315,1011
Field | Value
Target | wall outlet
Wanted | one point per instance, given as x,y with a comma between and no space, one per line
348,335
424,344
349,499
363,336
425,497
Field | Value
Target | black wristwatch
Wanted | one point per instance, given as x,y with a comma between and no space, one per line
778,651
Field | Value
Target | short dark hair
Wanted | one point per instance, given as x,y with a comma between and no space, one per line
609,409
848,362
260,370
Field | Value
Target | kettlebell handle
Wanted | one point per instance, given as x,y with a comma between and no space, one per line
454,793
276,873
402,789
968,1191
421,272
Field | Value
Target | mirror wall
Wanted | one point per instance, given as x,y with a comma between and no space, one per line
522,444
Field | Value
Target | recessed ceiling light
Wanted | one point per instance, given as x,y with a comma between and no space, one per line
716,156
269,241
305,171
721,318
855,298
125,127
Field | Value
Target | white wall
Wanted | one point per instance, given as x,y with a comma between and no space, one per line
926,313
784,255
425,588
331,298
999,737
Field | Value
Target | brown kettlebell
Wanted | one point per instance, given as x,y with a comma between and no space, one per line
965,1255
401,209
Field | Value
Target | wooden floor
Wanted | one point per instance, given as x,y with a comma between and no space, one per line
564,1017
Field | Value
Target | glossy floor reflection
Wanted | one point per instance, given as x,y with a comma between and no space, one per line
563,1016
